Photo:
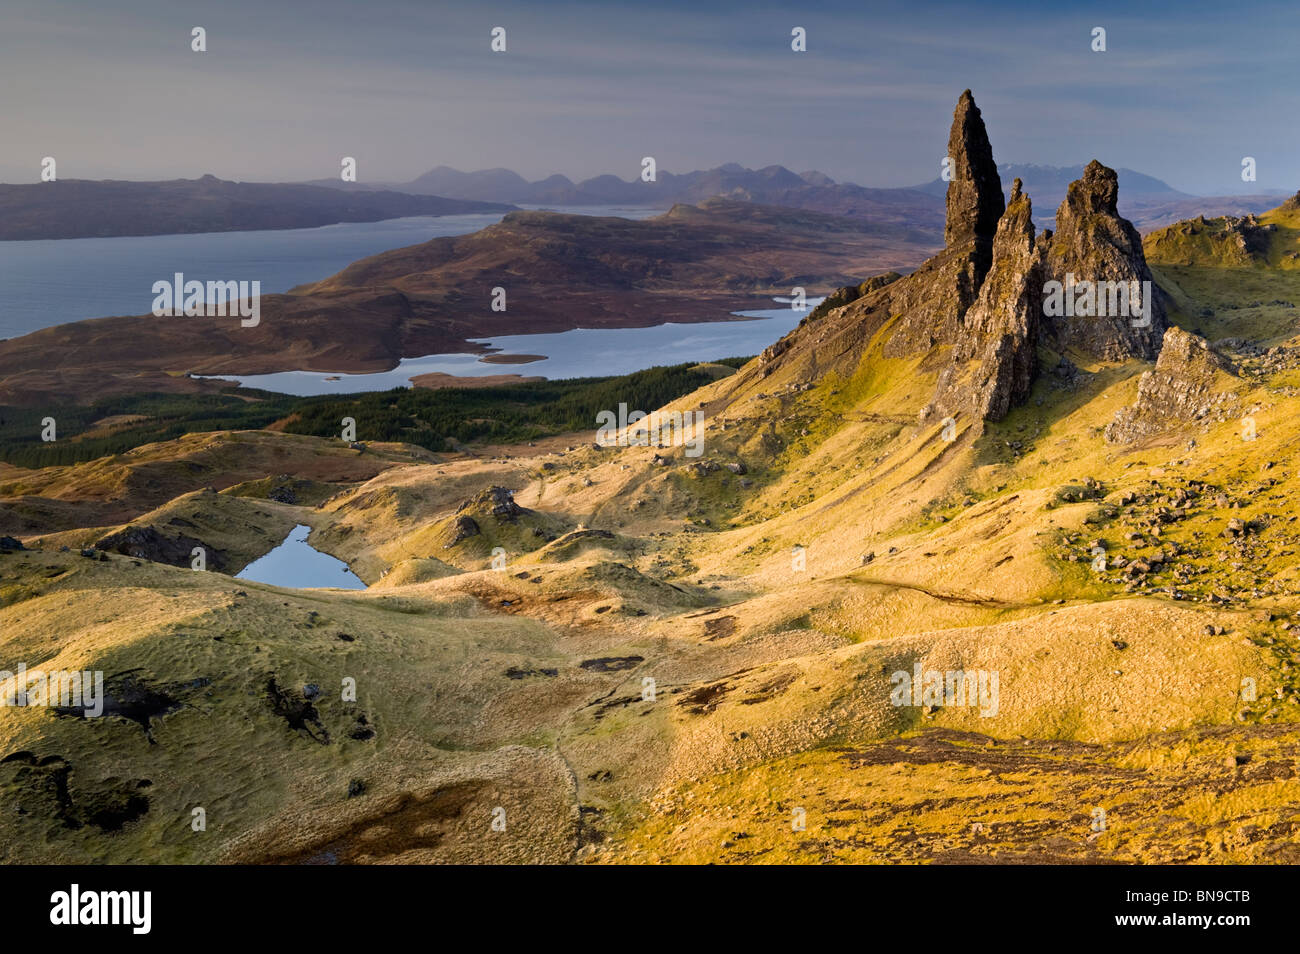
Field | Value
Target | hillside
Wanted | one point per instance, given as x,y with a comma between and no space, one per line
697,658
80,208
1269,240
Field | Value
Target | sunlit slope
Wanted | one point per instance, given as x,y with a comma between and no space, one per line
1270,240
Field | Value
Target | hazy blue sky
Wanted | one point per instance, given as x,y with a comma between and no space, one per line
1184,91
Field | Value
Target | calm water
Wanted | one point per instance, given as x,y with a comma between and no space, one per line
56,281
296,563
581,353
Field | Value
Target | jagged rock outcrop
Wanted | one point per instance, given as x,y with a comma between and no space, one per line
1181,389
1096,256
1086,287
495,501
995,358
146,543
934,299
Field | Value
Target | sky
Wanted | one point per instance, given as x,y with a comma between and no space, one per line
1184,90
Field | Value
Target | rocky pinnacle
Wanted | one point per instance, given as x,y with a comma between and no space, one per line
1094,243
975,200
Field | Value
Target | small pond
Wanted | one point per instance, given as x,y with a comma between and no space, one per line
296,563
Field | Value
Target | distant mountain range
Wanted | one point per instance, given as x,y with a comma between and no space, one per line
1147,201
81,208
503,185
907,209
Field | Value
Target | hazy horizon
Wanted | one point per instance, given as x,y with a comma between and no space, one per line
1244,191
282,96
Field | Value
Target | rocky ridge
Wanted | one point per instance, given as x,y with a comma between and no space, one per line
984,297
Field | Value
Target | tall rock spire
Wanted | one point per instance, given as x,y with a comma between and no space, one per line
934,300
975,200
